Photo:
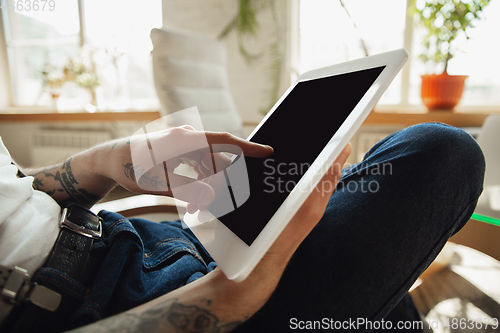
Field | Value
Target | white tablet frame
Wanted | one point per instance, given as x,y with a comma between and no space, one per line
237,259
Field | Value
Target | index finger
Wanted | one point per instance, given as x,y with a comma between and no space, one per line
226,142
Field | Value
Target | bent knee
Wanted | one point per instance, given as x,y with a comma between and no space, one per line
447,142
450,148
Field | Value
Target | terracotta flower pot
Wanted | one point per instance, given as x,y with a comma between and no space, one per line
443,91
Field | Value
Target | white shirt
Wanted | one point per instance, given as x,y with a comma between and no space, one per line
28,220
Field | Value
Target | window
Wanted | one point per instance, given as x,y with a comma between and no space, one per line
111,38
331,33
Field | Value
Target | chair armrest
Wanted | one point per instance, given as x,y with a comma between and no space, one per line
142,204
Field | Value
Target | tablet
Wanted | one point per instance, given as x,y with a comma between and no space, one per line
308,128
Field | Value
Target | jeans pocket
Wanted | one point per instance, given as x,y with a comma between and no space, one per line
167,251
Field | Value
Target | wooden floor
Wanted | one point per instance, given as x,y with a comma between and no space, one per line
464,296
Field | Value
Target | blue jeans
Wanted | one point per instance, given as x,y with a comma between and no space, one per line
387,220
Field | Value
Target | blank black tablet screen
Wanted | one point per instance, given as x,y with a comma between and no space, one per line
298,130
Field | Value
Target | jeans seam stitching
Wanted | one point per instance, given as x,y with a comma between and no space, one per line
173,254
118,222
170,240
62,286
90,306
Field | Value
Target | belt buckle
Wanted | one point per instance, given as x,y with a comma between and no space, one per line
81,230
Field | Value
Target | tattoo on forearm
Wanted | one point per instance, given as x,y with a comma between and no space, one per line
168,316
128,169
67,181
153,181
37,183
67,166
40,175
195,319
132,172
127,142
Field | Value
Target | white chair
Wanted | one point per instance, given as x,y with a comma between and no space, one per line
489,140
190,70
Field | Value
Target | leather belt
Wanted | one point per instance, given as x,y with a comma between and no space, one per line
79,228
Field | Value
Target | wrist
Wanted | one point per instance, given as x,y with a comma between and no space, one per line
99,165
238,301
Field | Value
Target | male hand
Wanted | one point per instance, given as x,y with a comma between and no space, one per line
147,164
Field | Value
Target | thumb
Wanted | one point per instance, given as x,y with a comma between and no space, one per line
192,191
335,171
328,183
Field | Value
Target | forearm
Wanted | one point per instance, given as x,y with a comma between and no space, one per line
210,304
88,176
81,178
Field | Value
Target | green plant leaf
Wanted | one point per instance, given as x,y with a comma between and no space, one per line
445,20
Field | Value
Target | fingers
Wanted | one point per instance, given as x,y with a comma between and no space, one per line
188,127
159,180
225,142
214,163
332,176
335,171
319,197
191,208
193,191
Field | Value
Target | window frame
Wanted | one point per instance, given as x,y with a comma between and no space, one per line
6,91
7,82
292,60
8,65
404,105
407,44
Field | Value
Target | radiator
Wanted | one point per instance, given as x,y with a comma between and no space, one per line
366,141
51,146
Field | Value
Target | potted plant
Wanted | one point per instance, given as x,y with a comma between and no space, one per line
444,20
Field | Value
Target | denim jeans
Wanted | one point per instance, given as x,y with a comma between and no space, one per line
372,244
387,220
